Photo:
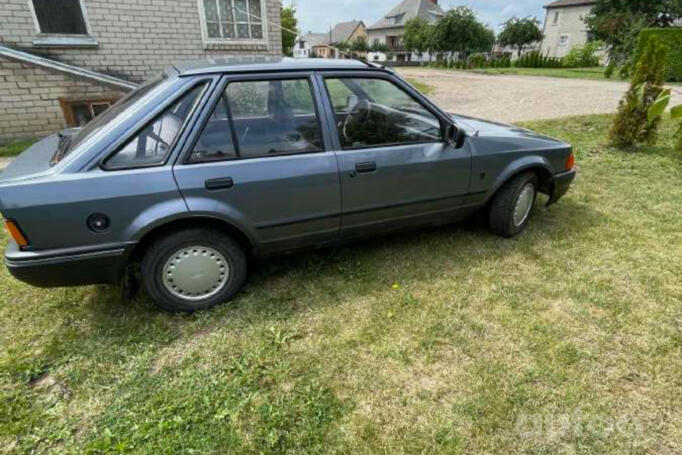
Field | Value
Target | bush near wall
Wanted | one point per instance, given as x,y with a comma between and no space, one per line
672,39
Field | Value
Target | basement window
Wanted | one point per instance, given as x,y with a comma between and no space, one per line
62,17
80,113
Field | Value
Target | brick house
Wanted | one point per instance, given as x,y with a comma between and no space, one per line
64,61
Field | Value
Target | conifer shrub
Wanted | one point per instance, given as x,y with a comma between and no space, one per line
631,125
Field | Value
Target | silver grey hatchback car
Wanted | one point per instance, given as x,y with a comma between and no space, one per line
189,175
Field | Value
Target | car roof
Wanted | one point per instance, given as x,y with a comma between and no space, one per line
270,64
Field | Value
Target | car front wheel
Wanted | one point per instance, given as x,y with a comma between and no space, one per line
193,269
512,205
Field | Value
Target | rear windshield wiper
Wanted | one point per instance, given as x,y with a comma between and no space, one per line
62,148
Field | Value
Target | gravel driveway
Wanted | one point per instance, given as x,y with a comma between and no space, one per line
517,98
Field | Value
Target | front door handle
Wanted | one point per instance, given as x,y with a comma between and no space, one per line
369,166
219,184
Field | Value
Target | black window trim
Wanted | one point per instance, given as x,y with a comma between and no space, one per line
397,83
206,83
229,79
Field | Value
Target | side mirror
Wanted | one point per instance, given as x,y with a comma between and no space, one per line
455,136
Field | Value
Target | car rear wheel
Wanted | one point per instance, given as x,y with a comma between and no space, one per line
193,269
512,205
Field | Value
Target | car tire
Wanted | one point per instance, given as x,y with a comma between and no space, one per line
511,207
193,269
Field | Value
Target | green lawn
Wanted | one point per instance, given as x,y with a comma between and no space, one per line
14,148
451,340
423,87
573,73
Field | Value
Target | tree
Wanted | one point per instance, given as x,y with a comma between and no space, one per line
418,36
289,29
459,31
631,124
618,23
359,44
520,33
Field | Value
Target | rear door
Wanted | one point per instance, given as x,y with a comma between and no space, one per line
260,159
396,169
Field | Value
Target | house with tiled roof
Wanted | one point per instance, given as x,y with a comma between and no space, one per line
388,30
322,45
565,26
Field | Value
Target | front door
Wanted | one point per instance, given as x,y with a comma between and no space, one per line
260,162
396,169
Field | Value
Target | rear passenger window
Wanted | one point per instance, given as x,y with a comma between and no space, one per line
260,118
152,145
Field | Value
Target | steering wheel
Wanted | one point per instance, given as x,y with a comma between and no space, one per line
360,113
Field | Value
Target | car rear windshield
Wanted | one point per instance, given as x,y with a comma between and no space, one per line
68,144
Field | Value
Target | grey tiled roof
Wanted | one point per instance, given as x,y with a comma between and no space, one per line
563,3
409,9
317,39
343,30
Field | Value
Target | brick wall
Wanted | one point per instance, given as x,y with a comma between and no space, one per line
136,38
29,99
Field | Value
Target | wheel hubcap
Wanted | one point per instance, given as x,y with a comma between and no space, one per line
523,204
195,273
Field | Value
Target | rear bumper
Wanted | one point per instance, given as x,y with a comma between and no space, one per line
56,269
561,184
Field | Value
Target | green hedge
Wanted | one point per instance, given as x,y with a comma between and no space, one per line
672,38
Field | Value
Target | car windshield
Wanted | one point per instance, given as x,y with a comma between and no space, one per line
68,144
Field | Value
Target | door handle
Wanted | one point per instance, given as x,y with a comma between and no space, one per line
219,184
369,166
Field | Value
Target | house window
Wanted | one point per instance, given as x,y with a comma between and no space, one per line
60,16
233,19
556,18
564,39
79,113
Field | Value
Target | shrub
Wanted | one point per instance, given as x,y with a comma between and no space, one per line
583,56
477,61
631,124
535,59
672,39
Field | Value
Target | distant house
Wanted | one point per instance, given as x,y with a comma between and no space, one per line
565,26
312,45
64,62
321,45
389,29
348,32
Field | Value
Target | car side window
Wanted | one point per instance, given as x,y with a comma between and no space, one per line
275,117
152,145
215,142
376,112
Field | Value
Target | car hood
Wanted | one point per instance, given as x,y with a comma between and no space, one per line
486,128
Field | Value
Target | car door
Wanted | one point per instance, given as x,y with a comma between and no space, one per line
259,160
396,169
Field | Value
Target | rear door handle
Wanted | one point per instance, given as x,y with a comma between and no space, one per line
219,184
369,166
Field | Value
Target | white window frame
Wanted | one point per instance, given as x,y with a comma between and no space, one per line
568,39
233,41
84,12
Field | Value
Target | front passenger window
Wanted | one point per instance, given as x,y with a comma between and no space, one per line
376,112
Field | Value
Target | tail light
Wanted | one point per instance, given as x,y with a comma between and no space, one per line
570,162
16,233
